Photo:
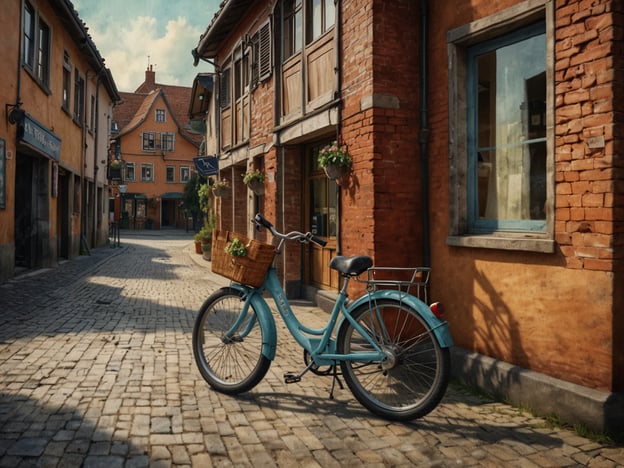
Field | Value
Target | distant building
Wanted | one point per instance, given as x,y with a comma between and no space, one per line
54,134
485,139
153,147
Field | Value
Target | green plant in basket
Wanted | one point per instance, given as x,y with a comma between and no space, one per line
236,248
254,175
336,154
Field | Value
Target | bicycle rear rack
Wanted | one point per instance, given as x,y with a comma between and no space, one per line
408,280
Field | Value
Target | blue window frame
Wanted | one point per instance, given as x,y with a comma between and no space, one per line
506,132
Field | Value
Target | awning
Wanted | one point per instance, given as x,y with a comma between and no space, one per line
135,196
172,195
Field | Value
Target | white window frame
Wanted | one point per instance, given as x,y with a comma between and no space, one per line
160,115
150,138
185,174
147,172
130,172
458,42
170,170
167,142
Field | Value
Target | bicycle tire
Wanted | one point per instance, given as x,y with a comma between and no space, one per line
233,365
413,379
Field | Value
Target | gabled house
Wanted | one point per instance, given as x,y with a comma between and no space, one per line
58,97
485,144
152,158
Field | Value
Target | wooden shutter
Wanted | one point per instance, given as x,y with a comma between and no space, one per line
265,49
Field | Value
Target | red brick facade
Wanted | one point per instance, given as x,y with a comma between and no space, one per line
554,308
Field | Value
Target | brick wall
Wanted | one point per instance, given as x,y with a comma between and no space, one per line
382,137
586,134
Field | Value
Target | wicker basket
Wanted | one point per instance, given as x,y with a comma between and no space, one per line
250,269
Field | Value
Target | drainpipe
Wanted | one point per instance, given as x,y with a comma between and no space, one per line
423,138
338,49
96,206
84,244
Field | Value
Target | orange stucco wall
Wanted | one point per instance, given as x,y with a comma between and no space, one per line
182,156
82,159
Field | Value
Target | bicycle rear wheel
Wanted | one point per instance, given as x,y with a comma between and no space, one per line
413,377
227,346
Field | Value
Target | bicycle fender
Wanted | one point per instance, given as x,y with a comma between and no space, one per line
265,317
439,327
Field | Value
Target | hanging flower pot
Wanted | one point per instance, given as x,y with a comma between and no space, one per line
255,181
256,187
220,188
335,160
334,171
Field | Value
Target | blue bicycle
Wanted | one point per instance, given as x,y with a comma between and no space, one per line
392,349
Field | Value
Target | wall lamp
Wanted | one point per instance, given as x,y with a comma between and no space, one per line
14,113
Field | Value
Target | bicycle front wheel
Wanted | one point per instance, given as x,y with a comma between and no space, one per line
227,343
412,378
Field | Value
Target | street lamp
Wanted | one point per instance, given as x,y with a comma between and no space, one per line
122,190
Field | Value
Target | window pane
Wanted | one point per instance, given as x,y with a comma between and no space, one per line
330,14
141,208
43,70
314,20
323,199
510,137
29,35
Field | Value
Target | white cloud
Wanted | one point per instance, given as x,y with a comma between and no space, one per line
128,49
162,30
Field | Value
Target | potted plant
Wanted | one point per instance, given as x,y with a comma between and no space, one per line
207,251
335,160
219,188
198,243
255,181
114,169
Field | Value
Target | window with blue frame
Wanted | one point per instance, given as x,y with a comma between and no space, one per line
501,130
506,132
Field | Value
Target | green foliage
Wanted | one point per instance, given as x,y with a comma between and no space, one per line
190,200
205,233
203,193
334,154
253,175
236,248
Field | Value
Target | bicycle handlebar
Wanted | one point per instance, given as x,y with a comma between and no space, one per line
260,220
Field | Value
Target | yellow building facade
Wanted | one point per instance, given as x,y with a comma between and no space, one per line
54,134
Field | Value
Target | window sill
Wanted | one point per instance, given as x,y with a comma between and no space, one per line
502,242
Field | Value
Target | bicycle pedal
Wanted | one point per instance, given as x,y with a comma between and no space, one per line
291,378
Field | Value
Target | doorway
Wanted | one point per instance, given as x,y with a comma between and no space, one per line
32,219
321,220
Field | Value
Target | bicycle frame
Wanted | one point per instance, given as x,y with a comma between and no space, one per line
318,342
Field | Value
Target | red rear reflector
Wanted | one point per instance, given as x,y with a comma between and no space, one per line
437,308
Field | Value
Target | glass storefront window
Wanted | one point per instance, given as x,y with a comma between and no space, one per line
323,198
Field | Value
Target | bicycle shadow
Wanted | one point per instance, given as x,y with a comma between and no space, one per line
443,422
306,404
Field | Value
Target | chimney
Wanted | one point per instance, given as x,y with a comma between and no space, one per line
150,78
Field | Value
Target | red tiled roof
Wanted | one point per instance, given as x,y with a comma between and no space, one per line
134,107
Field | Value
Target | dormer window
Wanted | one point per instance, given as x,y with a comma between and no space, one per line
161,115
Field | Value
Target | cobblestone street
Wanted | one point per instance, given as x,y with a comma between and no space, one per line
97,371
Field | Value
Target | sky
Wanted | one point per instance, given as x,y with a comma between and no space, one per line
133,34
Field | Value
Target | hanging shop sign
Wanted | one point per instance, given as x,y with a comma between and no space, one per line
33,134
207,165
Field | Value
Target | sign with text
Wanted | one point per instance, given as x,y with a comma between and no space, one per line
38,137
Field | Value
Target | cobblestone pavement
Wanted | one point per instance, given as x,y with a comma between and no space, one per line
97,371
